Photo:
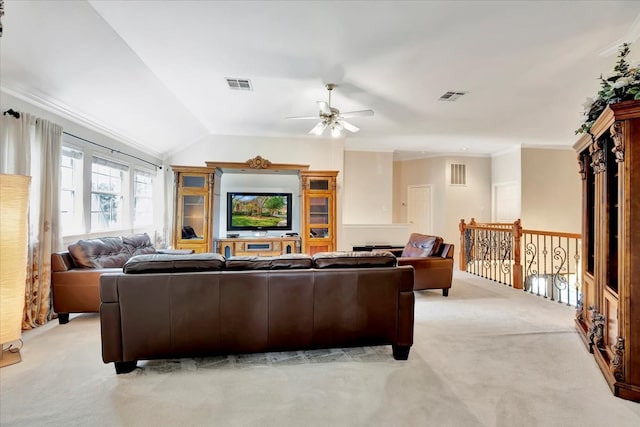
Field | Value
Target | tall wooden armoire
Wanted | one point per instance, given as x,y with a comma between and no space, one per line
608,317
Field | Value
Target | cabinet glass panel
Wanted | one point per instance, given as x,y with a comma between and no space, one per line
193,181
319,210
319,184
193,215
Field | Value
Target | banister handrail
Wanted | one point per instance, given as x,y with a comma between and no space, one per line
553,233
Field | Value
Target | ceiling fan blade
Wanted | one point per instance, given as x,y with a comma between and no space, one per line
348,126
318,129
324,108
359,113
302,117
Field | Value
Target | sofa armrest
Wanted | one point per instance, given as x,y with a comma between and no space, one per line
426,262
432,272
61,261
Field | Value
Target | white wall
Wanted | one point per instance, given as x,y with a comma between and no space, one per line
368,187
471,200
551,190
506,180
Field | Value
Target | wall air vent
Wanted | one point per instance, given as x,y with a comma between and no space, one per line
451,96
458,174
239,84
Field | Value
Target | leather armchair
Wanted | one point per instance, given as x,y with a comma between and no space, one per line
432,261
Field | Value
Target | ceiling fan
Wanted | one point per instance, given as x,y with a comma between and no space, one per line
332,118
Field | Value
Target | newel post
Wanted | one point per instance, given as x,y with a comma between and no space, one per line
462,254
517,267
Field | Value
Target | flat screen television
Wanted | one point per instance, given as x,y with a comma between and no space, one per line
258,211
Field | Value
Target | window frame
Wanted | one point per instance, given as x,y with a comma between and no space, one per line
84,229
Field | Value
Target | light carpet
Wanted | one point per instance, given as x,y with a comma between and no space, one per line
487,355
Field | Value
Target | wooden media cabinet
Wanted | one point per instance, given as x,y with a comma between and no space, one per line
258,246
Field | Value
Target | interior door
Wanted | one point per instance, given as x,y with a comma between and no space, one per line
419,209
506,202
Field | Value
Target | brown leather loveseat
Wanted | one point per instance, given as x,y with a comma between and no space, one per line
432,260
75,274
164,306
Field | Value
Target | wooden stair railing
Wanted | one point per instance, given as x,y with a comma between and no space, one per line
495,251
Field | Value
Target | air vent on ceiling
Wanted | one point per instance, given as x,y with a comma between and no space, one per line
458,174
451,96
239,84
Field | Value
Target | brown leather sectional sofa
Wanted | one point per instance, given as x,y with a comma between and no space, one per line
164,306
75,274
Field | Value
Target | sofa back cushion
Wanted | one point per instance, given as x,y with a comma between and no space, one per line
422,245
280,262
105,252
169,263
138,244
354,259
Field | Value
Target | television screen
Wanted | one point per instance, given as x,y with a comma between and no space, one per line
259,211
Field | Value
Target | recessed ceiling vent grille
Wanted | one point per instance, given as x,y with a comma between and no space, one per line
458,174
239,84
451,96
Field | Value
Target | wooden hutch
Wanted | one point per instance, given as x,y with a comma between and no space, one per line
197,202
608,316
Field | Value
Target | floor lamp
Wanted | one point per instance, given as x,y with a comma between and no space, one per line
14,201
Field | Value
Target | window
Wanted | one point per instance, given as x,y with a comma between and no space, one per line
108,187
142,198
100,193
71,218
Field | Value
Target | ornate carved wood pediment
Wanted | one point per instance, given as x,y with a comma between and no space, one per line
258,162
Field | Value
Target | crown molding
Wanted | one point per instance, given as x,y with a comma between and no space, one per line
59,109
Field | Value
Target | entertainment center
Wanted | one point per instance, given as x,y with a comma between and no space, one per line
199,208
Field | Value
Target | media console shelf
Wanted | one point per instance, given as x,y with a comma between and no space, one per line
258,246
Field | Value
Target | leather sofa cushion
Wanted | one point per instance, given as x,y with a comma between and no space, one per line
138,244
105,252
167,263
288,261
422,245
354,259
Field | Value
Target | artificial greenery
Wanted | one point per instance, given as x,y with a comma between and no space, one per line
622,85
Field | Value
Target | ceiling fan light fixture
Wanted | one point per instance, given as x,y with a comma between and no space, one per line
318,129
331,117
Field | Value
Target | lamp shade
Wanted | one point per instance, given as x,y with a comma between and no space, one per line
14,200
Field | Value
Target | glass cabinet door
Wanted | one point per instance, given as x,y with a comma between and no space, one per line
319,217
193,216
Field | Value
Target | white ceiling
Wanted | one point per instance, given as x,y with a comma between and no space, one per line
153,72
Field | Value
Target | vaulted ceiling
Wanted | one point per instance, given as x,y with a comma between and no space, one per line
152,73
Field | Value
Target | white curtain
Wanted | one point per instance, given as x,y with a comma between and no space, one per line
32,146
